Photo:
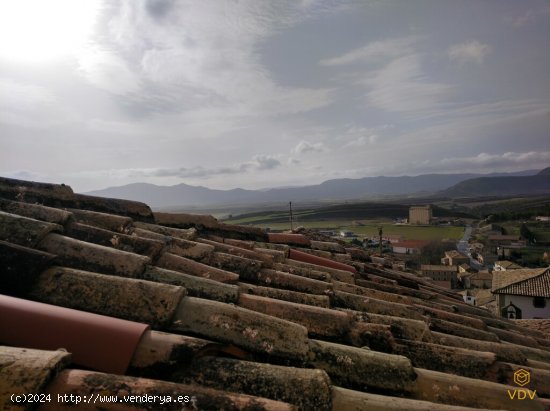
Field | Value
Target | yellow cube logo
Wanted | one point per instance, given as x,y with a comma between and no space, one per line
522,377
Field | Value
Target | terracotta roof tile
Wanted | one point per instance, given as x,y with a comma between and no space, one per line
249,329
99,342
194,285
24,231
36,211
108,295
88,256
21,266
118,224
24,371
374,324
286,295
130,243
319,321
290,239
88,384
308,389
185,265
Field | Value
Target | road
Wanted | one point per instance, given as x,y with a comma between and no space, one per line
462,247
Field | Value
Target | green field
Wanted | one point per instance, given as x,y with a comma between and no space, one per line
363,219
368,228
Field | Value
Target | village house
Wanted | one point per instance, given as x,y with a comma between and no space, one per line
506,265
491,229
392,238
442,275
522,294
469,298
486,258
454,257
409,246
498,243
481,279
479,297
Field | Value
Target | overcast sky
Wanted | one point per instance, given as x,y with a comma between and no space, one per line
258,94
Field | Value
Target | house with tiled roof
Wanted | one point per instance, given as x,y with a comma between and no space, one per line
454,257
442,275
481,279
409,246
103,300
523,294
504,265
503,244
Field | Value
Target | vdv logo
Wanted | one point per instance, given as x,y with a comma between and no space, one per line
522,378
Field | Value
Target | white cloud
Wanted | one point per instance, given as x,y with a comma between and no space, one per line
374,52
363,141
468,52
264,162
525,18
304,147
401,86
107,71
30,106
115,127
361,136
487,162
258,163
200,48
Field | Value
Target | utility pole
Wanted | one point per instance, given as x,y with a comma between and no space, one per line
291,217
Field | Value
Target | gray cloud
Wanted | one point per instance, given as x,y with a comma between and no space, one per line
486,162
158,8
469,52
304,147
374,52
209,85
402,86
258,163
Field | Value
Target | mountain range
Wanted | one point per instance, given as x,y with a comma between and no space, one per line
448,185
501,186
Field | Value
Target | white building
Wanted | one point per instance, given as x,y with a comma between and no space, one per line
522,294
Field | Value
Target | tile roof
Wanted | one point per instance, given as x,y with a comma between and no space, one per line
482,275
540,325
527,282
509,265
455,254
438,267
235,317
531,283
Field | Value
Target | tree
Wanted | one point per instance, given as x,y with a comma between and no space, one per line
434,251
526,233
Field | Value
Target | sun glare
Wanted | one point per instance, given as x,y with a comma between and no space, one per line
36,31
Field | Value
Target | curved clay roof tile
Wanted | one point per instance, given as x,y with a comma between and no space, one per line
98,342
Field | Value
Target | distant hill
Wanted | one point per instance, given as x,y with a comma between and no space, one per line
501,186
331,190
545,172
